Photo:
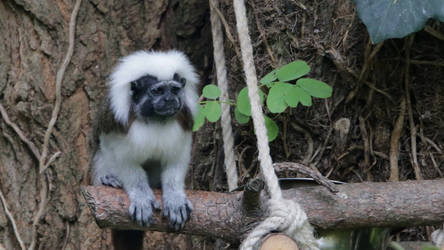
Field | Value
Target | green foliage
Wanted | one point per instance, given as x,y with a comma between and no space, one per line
212,111
243,101
397,18
199,120
269,78
293,71
276,97
430,247
211,91
303,96
241,118
314,87
286,88
272,128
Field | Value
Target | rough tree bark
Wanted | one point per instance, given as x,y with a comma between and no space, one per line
358,205
34,40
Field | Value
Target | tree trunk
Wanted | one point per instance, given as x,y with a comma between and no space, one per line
34,43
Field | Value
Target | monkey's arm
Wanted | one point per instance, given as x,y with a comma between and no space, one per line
132,178
135,183
176,205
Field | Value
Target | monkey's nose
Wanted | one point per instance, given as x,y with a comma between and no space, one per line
169,98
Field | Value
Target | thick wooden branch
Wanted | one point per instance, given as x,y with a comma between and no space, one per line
394,204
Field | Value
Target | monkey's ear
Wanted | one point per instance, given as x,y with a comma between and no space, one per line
177,78
134,85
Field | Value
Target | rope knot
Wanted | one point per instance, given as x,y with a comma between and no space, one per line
285,216
291,215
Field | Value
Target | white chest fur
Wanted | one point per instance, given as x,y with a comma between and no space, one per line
165,142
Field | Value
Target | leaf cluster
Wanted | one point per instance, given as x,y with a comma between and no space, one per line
285,87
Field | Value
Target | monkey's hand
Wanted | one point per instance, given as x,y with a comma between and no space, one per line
111,180
142,202
177,207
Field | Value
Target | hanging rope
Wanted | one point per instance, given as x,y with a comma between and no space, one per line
221,70
285,215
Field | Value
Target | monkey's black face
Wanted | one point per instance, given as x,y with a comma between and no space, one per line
157,99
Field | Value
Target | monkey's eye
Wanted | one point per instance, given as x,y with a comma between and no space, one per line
157,91
175,90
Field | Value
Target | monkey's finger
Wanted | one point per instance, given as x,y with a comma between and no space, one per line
147,218
165,213
132,211
190,206
155,204
139,214
184,212
172,220
179,218
178,226
116,184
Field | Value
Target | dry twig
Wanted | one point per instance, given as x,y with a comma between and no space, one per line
355,147
11,219
284,137
227,29
435,165
394,143
66,240
366,141
310,144
19,132
320,179
320,151
420,62
413,132
263,36
44,180
340,64
434,32
371,54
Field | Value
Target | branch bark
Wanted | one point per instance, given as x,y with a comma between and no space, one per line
357,205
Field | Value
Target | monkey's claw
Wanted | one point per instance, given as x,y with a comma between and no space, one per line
141,208
111,180
178,209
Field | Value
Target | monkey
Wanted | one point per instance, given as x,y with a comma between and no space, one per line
144,133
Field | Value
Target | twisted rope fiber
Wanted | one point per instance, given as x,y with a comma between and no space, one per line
221,71
285,215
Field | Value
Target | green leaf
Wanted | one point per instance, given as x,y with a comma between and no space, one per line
199,119
314,87
241,118
243,102
275,99
269,78
293,71
213,111
397,18
272,128
430,247
292,96
211,91
304,97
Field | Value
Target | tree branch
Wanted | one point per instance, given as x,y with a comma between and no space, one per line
221,215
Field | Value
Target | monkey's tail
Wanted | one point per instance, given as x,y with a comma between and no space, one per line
127,239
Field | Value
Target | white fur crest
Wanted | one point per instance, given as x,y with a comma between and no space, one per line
162,65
